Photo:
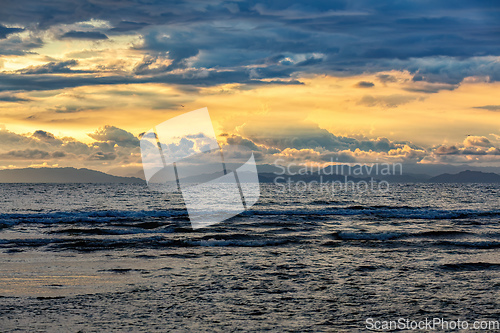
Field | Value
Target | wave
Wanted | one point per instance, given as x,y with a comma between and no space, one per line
471,244
470,266
8,219
438,238
386,212
368,236
441,233
433,234
110,232
90,244
306,213
96,239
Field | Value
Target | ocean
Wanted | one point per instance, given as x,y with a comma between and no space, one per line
121,258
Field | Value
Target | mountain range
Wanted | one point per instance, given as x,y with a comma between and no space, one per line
83,175
467,177
62,175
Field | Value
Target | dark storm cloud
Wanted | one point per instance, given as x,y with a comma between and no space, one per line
13,99
84,35
4,31
124,26
451,71
51,67
10,82
175,46
18,46
437,41
46,14
44,82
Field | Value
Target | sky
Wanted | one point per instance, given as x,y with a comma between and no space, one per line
413,82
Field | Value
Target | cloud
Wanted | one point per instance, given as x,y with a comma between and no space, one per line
298,136
118,148
390,101
474,149
216,42
402,154
10,139
27,154
115,135
101,156
114,147
477,141
125,26
94,35
12,98
238,140
300,142
420,86
444,47
493,108
174,46
197,44
51,67
73,108
365,84
300,11
43,135
303,141
307,143
445,150
451,70
4,31
20,44
386,78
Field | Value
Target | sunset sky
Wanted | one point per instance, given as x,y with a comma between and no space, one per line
312,81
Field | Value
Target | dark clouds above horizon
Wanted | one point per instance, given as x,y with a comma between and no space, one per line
399,80
219,42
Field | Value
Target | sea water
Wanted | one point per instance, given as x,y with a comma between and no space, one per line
112,257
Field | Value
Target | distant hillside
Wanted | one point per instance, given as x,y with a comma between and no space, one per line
62,175
467,177
73,175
